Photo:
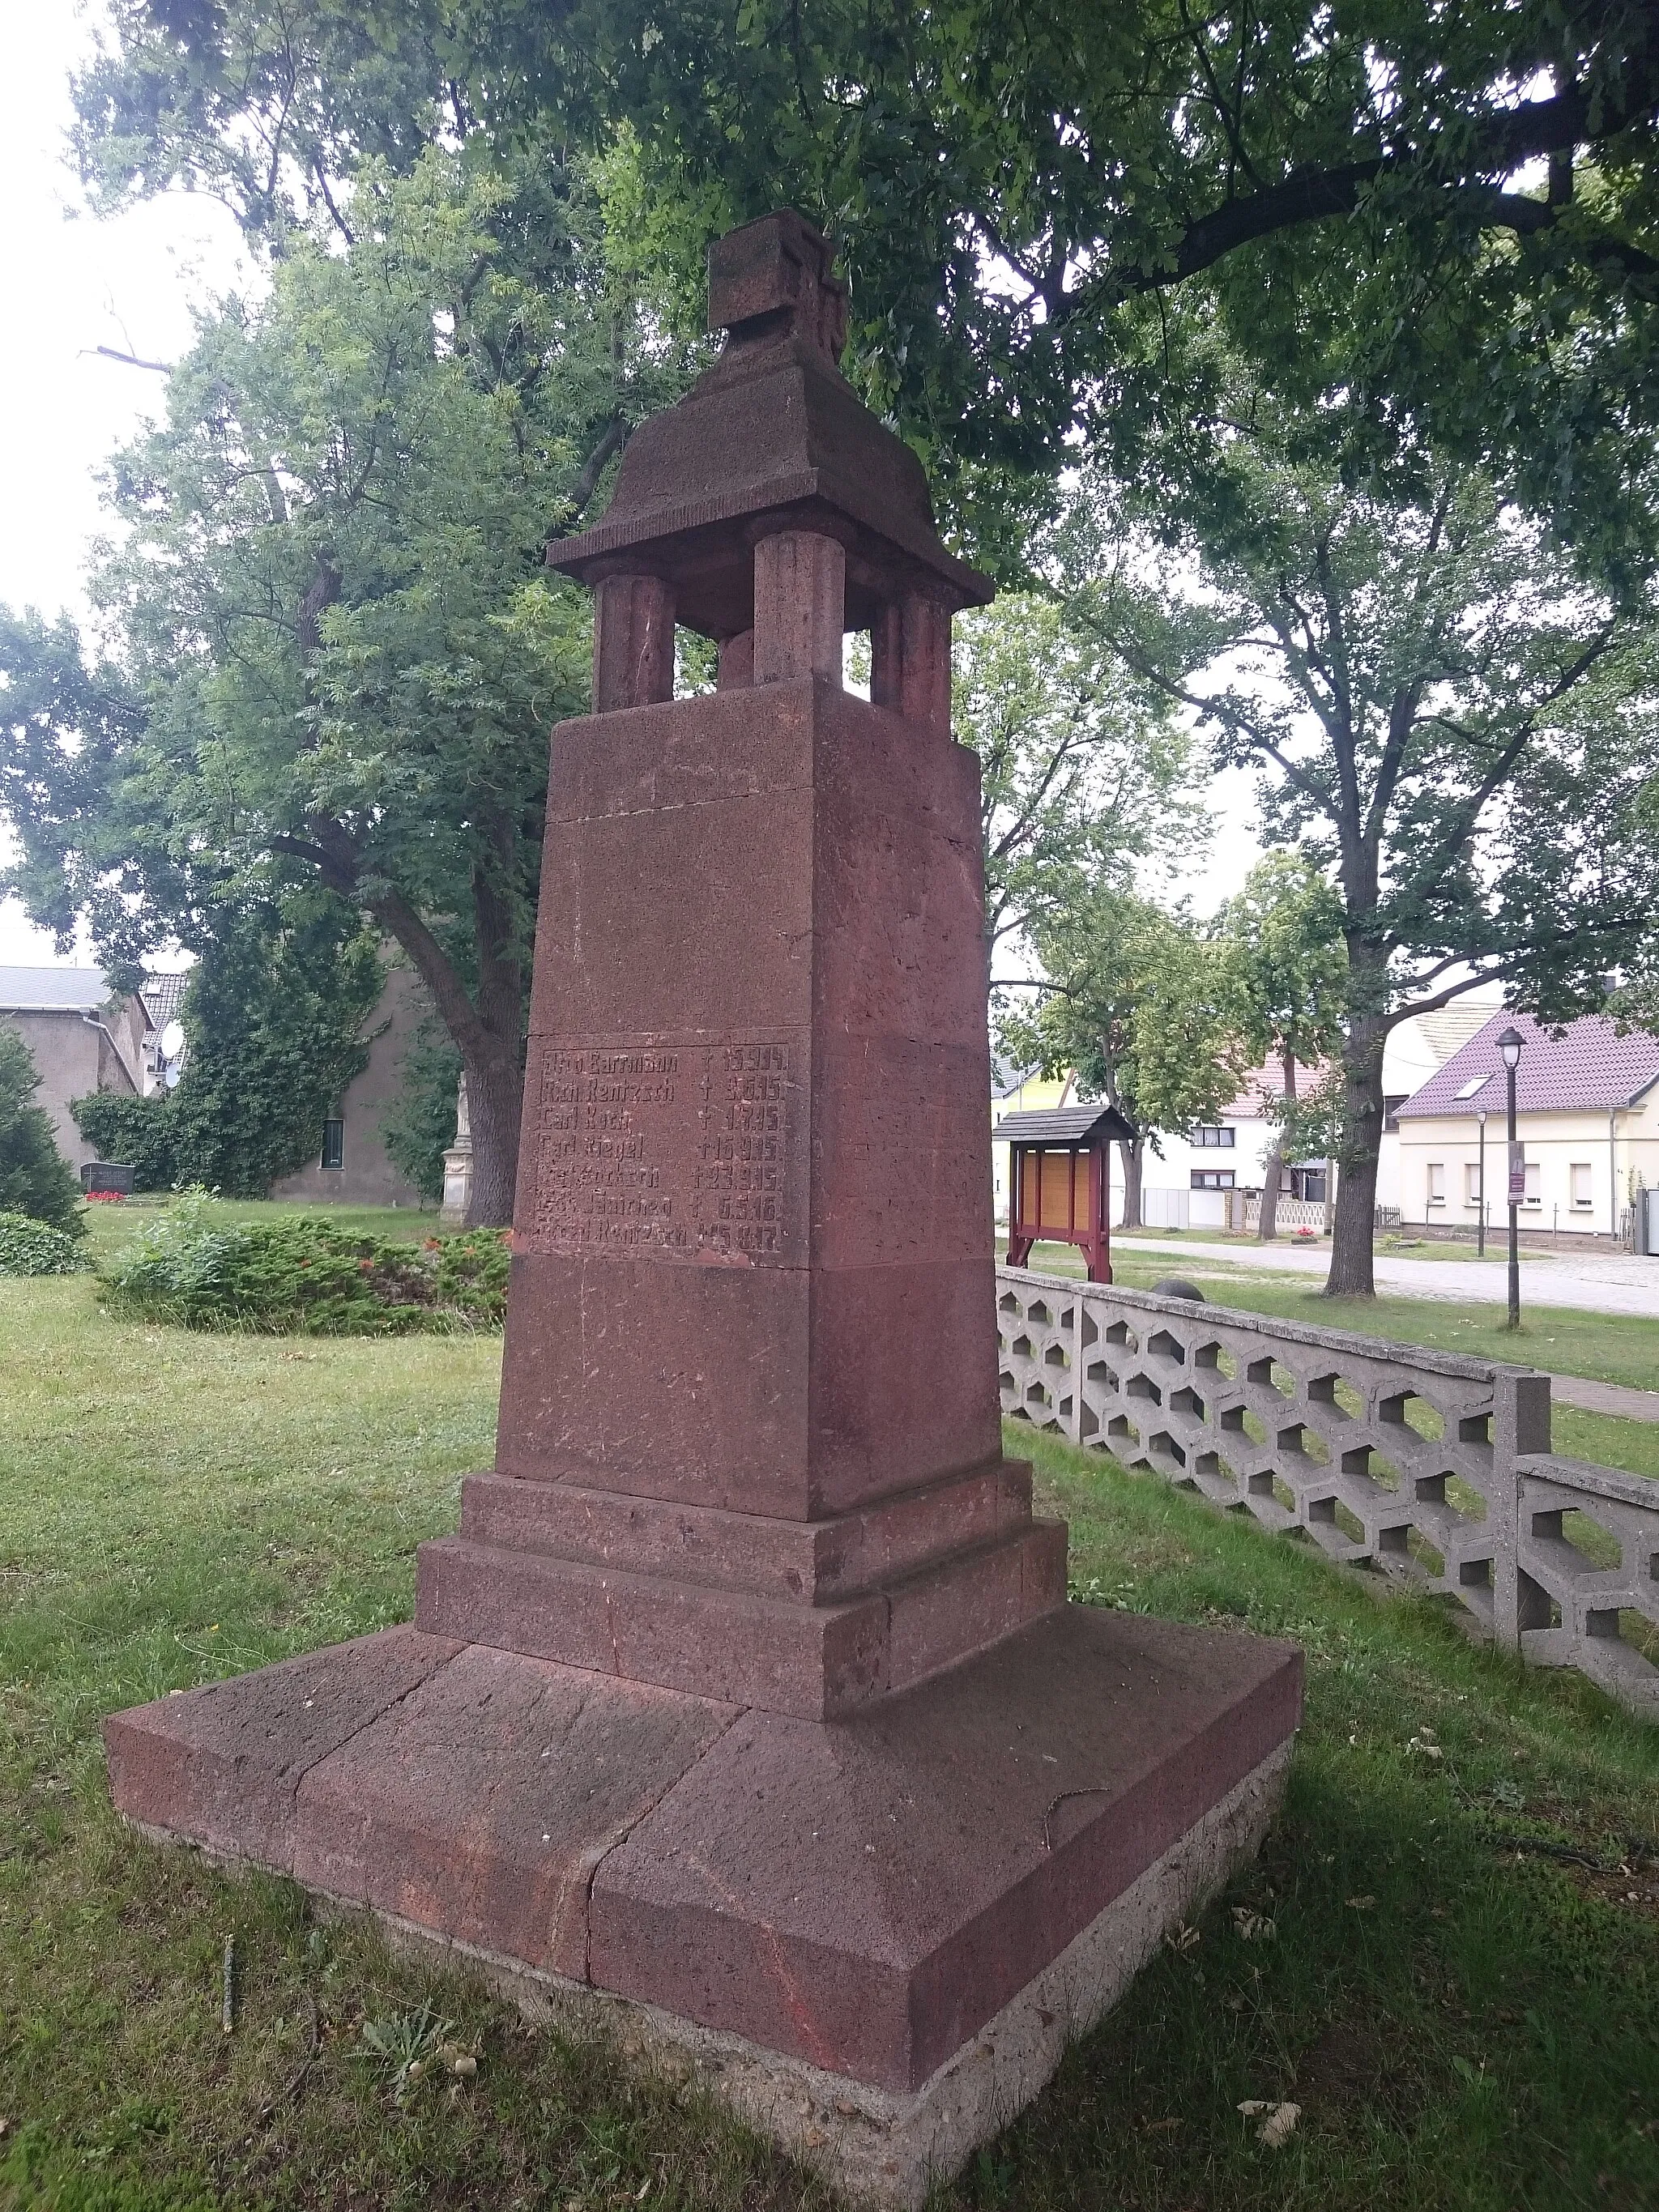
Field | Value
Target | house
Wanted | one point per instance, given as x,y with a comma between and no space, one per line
1586,1118
352,1166
1211,1176
164,1000
84,1037
1188,1180
1417,1048
1014,1092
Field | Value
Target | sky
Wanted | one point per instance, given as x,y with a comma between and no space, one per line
74,283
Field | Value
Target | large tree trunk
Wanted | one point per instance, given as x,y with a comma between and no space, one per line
1272,1175
1351,1275
498,1101
487,1033
1133,1157
494,1093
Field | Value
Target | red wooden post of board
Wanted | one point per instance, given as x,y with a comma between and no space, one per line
1019,1234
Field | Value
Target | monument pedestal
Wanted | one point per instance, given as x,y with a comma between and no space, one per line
746,1698
874,1935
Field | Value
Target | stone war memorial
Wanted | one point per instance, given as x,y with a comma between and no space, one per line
745,1711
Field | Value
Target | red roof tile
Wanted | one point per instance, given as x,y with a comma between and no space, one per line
1589,1066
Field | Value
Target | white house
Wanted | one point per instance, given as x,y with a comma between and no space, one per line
1417,1049
1586,1118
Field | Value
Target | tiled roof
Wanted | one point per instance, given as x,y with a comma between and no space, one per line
1449,1028
1267,1082
163,995
53,990
1589,1066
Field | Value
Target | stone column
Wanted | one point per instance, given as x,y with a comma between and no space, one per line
457,1167
633,642
910,661
736,669
800,607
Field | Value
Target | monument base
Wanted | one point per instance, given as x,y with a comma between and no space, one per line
872,1935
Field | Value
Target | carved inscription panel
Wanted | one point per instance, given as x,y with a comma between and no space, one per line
676,1148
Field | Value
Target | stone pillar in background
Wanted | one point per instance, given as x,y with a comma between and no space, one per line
457,1167
747,1693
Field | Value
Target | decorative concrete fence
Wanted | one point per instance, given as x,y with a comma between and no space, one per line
1432,1469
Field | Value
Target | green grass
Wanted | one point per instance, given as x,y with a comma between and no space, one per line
1466,2030
110,1226
1610,1348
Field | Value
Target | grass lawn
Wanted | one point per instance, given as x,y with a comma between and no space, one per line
110,1226
1610,1348
1467,2022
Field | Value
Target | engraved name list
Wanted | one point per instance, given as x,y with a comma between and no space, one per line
677,1148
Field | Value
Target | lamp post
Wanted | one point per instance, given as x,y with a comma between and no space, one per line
1480,1194
1509,1045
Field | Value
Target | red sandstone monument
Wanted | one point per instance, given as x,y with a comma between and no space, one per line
746,1707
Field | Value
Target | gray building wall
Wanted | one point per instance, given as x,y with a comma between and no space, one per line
368,1177
77,1053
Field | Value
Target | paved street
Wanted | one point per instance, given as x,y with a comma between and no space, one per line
1601,1282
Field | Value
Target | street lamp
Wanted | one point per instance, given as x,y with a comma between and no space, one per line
1509,1045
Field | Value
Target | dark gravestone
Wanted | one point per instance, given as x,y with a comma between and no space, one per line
747,1691
108,1175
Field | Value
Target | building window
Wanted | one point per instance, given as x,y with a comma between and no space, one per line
1437,1183
1471,1182
1309,1183
1580,1174
1220,1139
1535,1184
334,1144
1212,1178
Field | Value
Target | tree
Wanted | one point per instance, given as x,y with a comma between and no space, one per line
422,1124
1144,1005
337,648
274,1018
34,1176
1285,929
1450,210
1082,773
1445,720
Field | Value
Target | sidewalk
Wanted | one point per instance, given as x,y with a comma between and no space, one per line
1607,1282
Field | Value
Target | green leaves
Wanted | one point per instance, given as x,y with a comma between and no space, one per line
35,1179
1083,771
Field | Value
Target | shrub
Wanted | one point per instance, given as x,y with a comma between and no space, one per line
28,1247
34,1176
201,1270
138,1131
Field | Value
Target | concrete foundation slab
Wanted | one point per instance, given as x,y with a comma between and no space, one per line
975,1866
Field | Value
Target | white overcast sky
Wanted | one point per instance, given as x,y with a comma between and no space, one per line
73,282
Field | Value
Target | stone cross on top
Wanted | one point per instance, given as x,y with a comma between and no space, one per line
770,511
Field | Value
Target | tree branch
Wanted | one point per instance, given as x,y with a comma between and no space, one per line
1495,148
